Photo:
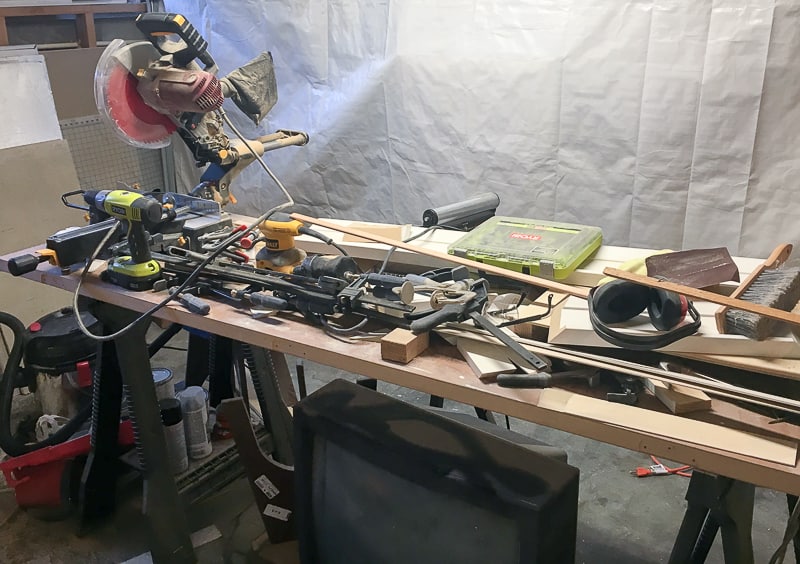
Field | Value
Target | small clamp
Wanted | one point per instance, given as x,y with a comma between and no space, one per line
630,389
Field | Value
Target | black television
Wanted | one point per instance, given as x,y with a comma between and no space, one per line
380,481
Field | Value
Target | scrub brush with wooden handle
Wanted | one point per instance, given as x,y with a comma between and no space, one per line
771,284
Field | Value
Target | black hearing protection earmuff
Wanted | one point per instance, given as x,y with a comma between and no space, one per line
620,300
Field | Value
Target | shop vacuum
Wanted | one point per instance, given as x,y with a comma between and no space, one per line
51,354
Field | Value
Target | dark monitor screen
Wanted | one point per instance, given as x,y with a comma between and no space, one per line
414,524
378,480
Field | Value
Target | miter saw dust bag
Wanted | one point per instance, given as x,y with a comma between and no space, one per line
530,246
253,87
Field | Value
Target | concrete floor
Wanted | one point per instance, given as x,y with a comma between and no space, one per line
622,519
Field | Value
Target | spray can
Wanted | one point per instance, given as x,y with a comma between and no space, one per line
172,419
195,420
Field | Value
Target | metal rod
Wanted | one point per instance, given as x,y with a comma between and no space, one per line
635,369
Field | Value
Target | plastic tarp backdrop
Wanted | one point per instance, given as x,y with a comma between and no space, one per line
670,124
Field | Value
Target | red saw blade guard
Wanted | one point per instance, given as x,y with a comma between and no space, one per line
123,107
133,117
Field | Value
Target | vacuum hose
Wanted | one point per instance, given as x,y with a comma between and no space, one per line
10,444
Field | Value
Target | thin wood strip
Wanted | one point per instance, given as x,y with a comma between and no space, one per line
639,370
778,256
691,431
698,294
573,328
510,274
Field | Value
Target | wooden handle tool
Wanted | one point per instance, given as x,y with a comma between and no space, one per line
778,256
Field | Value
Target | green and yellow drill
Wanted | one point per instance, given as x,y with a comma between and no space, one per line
139,213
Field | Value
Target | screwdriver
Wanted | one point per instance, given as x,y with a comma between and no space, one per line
191,302
526,378
261,299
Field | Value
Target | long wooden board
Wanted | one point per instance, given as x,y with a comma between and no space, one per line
696,432
475,265
570,325
635,369
588,274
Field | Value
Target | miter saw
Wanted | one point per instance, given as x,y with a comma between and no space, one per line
148,90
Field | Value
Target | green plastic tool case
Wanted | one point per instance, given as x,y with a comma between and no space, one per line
544,248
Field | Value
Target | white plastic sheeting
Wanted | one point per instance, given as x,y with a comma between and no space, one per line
670,124
26,103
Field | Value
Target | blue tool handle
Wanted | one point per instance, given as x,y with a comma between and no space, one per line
192,302
195,304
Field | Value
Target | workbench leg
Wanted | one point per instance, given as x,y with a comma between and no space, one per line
197,359
689,534
272,383
486,415
791,501
716,502
169,534
301,380
220,370
370,383
97,499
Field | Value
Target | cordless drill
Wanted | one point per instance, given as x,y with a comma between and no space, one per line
137,271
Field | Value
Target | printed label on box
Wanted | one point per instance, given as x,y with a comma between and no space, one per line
277,512
266,486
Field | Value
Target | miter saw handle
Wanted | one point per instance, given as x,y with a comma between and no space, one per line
172,34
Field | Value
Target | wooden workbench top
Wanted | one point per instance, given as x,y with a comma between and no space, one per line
439,372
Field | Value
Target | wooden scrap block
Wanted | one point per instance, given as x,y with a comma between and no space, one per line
401,345
487,360
678,399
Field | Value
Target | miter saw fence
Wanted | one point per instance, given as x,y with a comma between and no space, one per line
149,89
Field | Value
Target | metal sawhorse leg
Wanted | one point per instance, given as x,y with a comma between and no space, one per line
126,361
716,503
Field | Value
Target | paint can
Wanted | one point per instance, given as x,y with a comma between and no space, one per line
162,379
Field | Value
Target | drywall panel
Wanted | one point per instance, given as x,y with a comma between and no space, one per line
27,111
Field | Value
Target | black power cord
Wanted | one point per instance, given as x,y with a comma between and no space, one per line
199,268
